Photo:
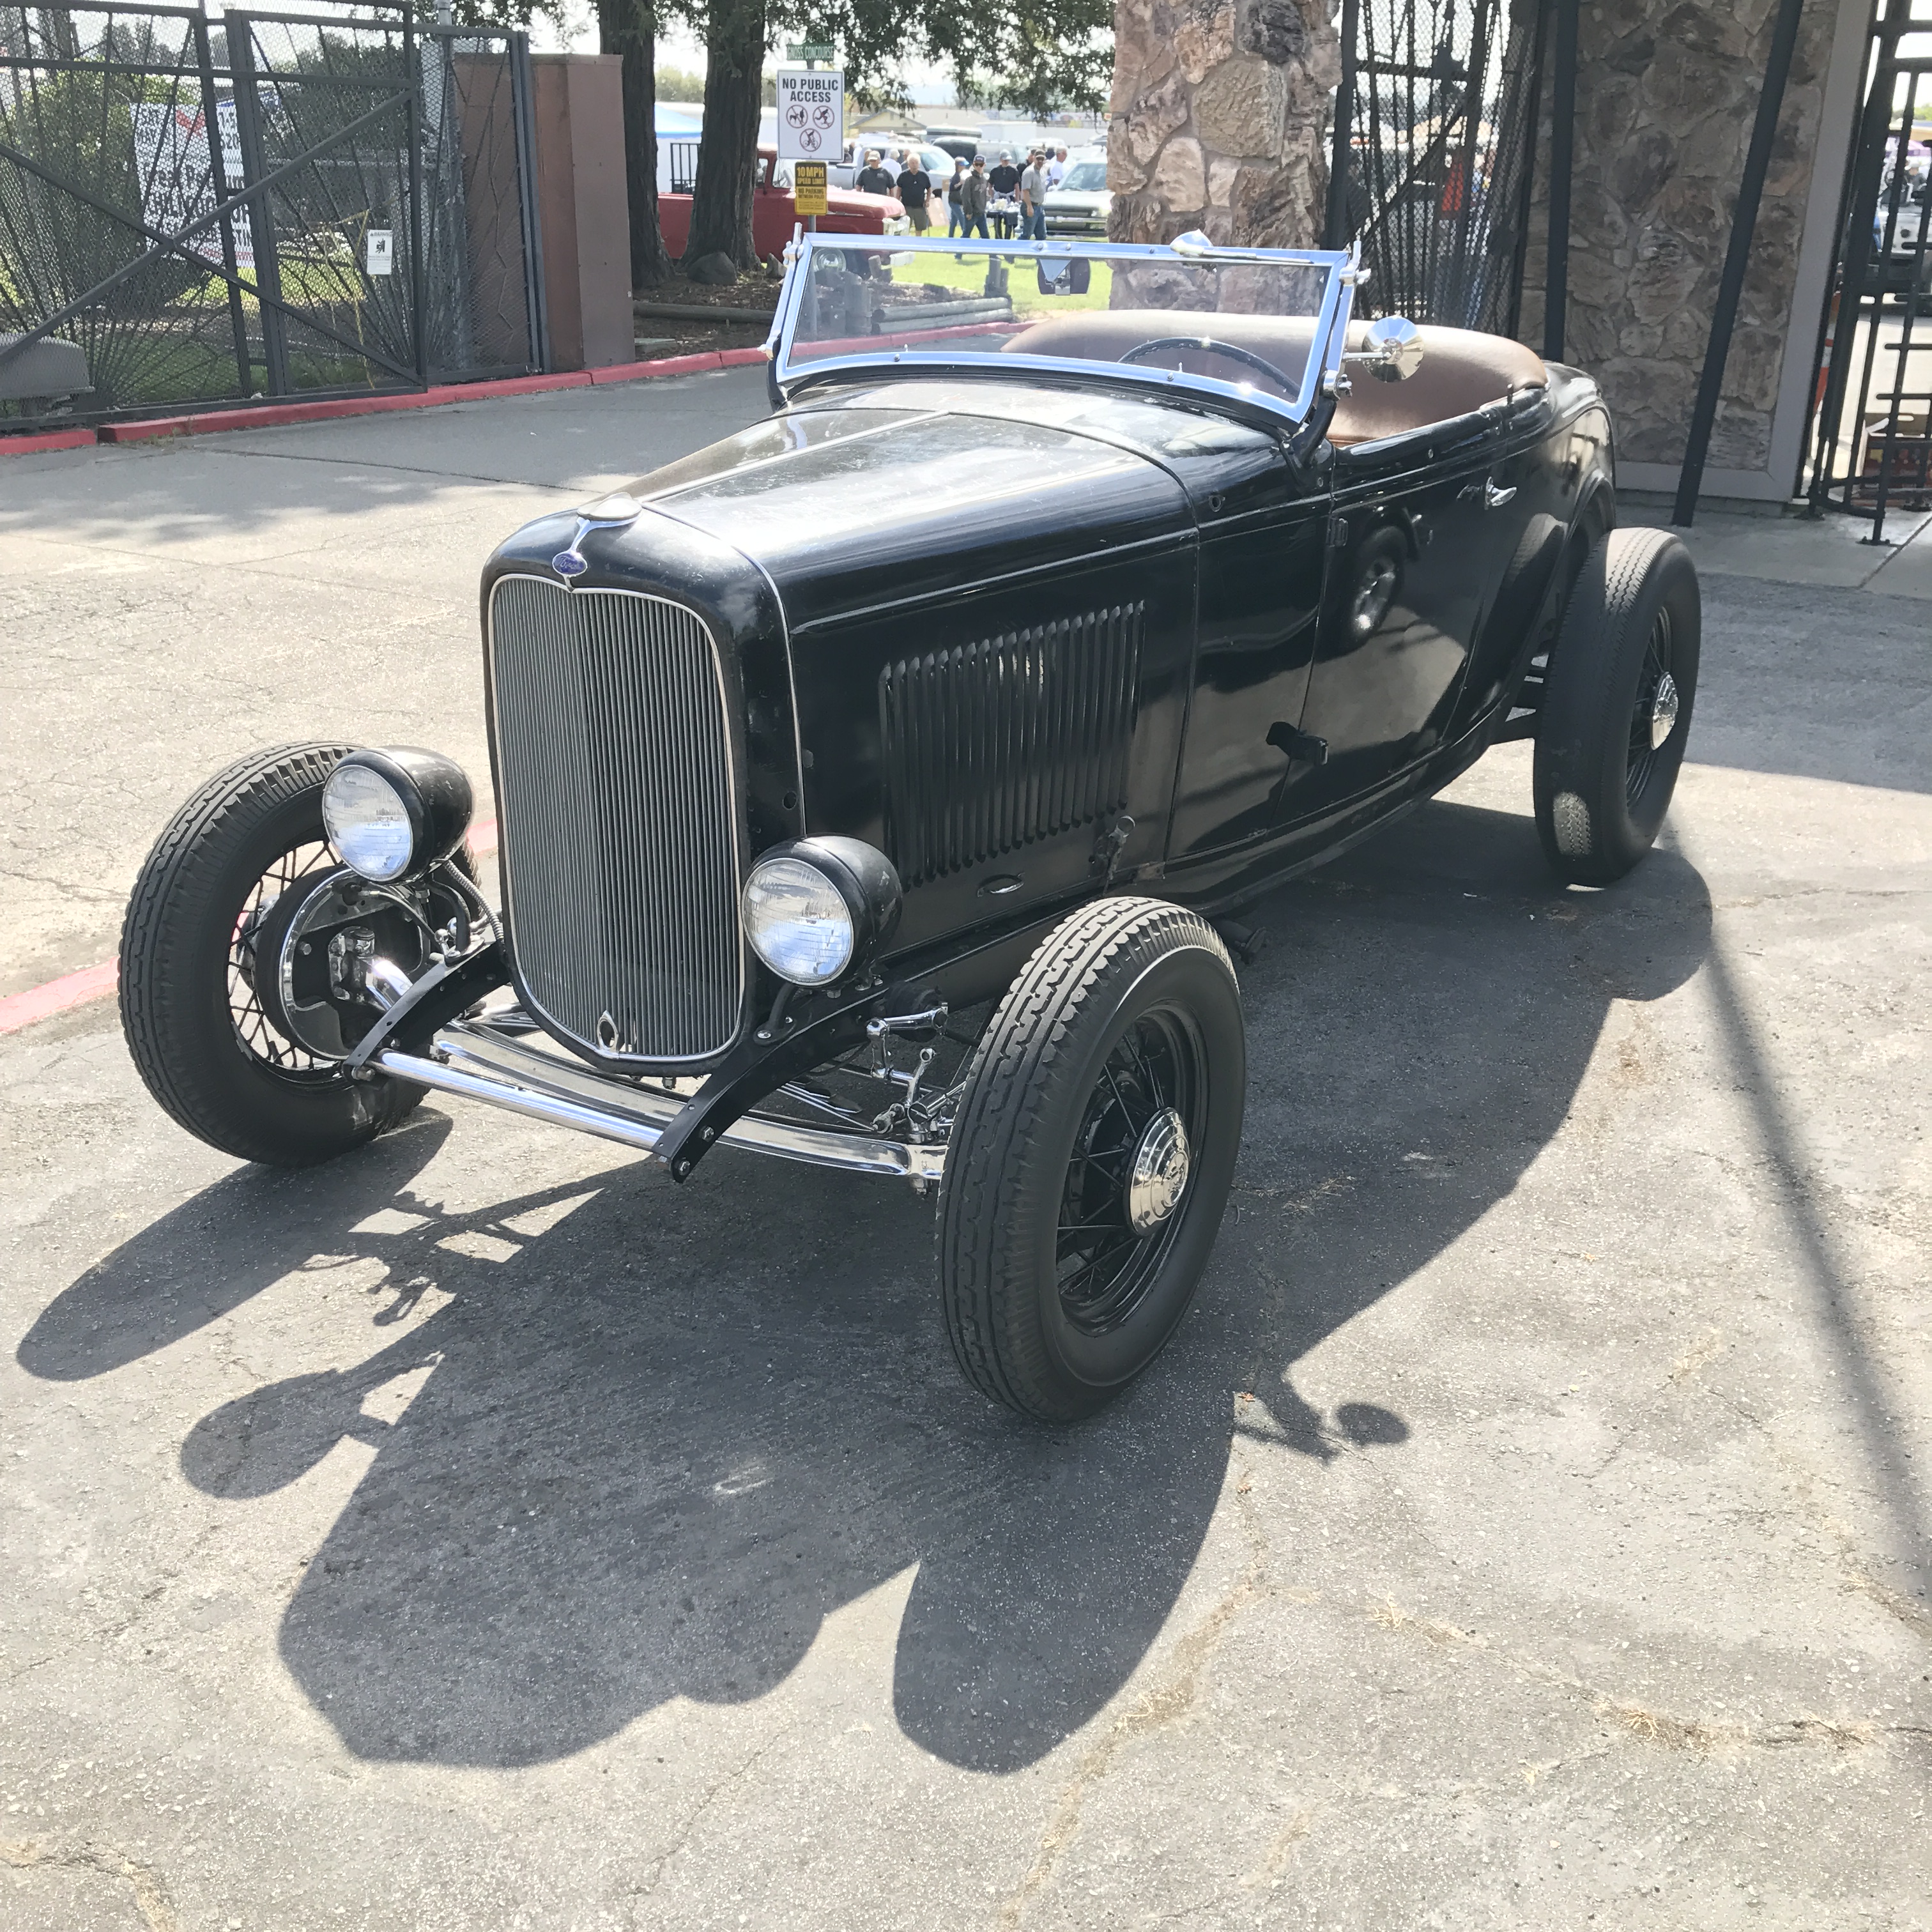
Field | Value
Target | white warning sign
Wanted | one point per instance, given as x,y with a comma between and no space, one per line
811,114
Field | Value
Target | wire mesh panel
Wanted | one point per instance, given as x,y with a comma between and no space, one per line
111,135
478,276
326,114
1440,107
270,205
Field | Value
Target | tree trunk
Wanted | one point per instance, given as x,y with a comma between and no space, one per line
1216,120
628,28
728,154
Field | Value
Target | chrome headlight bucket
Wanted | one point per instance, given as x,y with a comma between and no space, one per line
392,814
814,909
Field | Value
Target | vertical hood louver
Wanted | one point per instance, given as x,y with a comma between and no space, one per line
993,745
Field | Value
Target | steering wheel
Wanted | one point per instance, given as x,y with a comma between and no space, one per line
1218,347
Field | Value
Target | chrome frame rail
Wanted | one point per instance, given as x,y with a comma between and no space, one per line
472,1060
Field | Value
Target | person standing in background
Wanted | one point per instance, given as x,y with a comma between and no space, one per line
1033,198
1004,182
955,214
975,190
872,178
915,188
1056,169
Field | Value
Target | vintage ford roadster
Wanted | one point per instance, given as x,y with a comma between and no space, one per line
871,785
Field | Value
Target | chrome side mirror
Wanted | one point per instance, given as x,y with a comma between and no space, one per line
1394,349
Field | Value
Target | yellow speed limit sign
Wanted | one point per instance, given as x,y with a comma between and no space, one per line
807,188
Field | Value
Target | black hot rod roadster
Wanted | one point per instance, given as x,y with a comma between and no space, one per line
870,783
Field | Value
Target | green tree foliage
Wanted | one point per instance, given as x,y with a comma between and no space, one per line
680,83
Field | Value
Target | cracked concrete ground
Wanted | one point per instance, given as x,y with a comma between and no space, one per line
1527,1528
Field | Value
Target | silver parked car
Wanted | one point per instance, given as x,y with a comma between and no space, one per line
1079,205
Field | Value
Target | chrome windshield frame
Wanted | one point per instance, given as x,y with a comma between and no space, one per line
1342,269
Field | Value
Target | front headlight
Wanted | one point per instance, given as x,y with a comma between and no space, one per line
797,922
390,813
899,224
814,907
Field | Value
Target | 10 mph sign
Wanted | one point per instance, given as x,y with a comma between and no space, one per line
811,114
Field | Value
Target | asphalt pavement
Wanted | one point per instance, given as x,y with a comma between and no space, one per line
1528,1527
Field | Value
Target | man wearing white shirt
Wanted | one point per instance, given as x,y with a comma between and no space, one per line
1056,169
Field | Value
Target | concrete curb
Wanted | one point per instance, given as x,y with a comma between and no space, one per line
275,415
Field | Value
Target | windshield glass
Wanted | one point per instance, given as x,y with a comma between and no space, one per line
1260,326
1086,177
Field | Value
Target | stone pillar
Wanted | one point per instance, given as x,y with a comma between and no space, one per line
1216,119
1667,90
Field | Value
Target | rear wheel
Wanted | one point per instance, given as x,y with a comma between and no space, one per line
1616,708
1090,1161
197,1029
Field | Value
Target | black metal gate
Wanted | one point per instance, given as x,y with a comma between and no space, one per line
1434,129
270,205
1869,450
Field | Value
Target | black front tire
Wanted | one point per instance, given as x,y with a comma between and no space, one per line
1128,1012
1604,772
197,1035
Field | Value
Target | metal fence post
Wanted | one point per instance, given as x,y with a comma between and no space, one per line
1737,257
412,71
1562,156
1526,195
1335,223
217,168
523,99
240,31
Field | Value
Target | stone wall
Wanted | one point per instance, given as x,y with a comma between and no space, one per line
1216,119
1666,92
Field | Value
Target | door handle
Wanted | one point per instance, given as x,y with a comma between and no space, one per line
1493,499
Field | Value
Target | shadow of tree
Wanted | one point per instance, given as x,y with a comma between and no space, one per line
662,1433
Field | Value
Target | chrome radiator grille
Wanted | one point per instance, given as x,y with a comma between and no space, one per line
619,827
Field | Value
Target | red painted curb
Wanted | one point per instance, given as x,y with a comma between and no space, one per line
72,989
98,982
52,438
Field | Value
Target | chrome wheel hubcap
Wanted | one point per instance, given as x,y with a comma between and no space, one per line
1664,711
1158,1176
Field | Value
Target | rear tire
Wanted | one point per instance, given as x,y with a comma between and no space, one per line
198,1036
1616,708
1061,1280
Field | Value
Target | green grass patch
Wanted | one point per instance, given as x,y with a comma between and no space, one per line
969,277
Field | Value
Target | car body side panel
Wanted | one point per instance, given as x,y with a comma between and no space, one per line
1262,558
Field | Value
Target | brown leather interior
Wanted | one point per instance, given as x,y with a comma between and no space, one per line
1460,369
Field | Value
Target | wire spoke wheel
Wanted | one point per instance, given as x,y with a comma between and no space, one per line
1653,716
259,1038
202,934
1614,715
1089,1163
1106,1254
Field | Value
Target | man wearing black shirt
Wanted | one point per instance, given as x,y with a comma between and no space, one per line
1004,182
915,187
871,179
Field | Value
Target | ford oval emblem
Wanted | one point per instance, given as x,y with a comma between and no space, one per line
568,563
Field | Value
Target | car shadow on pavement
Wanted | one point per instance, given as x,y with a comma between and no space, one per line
649,1438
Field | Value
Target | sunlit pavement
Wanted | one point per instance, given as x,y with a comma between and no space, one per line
1529,1524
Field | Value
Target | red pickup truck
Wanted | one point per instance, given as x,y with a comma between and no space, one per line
775,215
